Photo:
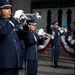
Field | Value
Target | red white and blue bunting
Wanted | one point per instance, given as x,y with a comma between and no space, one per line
46,44
67,42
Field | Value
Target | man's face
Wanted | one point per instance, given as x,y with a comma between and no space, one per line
55,26
32,27
5,12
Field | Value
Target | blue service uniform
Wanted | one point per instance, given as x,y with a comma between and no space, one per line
56,47
31,52
10,51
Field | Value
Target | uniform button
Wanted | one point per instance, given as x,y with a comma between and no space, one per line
14,40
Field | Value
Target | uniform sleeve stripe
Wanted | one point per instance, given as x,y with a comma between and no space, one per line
12,23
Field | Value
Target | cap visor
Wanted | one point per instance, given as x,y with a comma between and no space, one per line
5,6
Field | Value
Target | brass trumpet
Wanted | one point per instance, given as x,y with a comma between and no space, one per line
37,15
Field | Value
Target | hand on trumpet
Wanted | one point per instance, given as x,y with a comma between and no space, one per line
19,14
40,32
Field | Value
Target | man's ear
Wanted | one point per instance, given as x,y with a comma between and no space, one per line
28,25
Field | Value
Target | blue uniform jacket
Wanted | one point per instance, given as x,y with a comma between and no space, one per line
31,45
10,53
56,40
